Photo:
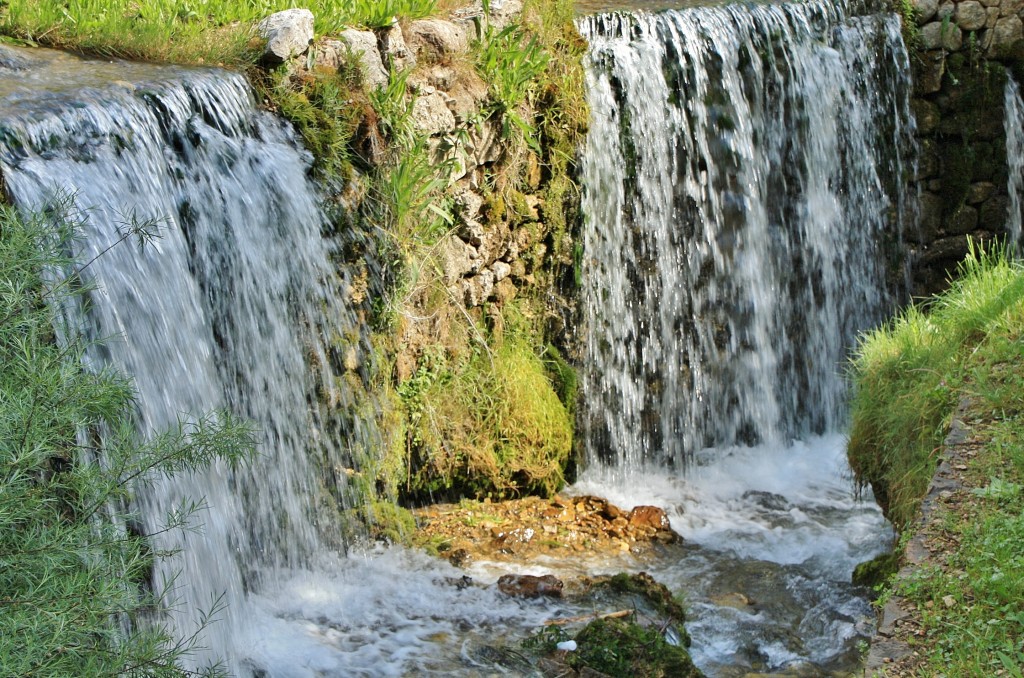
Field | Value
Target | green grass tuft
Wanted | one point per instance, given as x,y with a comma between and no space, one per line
908,376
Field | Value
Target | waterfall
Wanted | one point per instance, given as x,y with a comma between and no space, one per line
1013,124
231,307
744,202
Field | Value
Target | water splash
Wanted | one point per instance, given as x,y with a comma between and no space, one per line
230,308
744,204
1013,124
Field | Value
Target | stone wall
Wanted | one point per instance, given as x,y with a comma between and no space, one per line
959,54
499,242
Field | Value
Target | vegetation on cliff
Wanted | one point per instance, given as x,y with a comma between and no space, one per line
73,572
964,347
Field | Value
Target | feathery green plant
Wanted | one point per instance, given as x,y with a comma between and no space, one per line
73,597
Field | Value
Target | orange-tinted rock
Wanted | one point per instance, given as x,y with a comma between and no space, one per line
530,586
649,516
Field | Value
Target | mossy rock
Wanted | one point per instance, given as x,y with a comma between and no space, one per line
654,592
618,647
876,571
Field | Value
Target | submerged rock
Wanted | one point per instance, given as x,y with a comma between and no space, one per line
530,586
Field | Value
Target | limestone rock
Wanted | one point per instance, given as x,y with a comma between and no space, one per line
457,260
485,142
437,38
941,34
430,113
478,289
925,9
468,203
467,95
926,114
393,49
1007,32
1010,7
992,16
993,213
530,586
288,34
363,45
930,218
501,270
970,15
504,291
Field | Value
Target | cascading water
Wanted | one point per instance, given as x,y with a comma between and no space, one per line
1013,124
226,309
744,201
743,197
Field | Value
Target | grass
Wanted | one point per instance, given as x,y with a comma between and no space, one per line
485,422
910,377
183,31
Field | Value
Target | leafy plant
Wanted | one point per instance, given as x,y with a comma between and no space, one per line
511,63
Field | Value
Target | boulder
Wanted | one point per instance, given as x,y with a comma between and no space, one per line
1007,32
478,289
393,49
925,9
980,192
530,586
929,69
962,220
288,34
970,15
649,516
431,115
363,46
942,34
926,114
437,38
457,259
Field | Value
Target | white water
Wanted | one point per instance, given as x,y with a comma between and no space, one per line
227,309
767,521
743,197
1013,124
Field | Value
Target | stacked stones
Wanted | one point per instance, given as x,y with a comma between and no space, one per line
959,75
493,248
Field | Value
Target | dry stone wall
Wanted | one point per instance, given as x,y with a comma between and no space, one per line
960,53
498,240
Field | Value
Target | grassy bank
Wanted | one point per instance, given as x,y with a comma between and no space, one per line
183,31
966,345
73,585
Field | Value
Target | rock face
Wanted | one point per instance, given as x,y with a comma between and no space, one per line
288,34
962,168
363,46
